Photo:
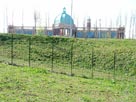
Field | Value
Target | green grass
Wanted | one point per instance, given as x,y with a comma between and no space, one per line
24,84
100,83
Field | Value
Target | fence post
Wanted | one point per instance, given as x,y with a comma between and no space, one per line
29,62
114,64
52,59
72,59
12,49
92,62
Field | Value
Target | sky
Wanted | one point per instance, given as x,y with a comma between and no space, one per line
109,11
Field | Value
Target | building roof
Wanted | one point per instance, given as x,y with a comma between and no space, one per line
64,19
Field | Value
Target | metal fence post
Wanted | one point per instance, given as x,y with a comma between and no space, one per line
92,62
12,49
114,64
52,59
29,62
71,59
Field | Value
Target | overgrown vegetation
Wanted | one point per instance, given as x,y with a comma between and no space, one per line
84,56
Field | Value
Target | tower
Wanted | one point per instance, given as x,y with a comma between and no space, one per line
89,24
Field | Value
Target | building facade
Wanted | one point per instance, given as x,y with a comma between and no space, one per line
64,26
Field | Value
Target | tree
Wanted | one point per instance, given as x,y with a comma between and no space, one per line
36,17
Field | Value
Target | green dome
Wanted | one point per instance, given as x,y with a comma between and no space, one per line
64,18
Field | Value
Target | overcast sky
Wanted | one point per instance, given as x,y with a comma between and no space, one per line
106,10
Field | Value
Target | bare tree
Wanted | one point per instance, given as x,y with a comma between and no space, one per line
99,28
22,22
7,19
12,18
126,21
4,22
36,17
131,20
133,30
13,30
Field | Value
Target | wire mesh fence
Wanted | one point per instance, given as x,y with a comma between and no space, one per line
69,57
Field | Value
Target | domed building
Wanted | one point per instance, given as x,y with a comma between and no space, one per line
63,23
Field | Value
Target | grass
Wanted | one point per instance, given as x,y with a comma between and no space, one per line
24,84
103,82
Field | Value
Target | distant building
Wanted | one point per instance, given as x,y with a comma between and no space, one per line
89,24
121,33
63,23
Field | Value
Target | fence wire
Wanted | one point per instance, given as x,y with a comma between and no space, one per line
69,57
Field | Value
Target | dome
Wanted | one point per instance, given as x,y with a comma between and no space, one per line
64,19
